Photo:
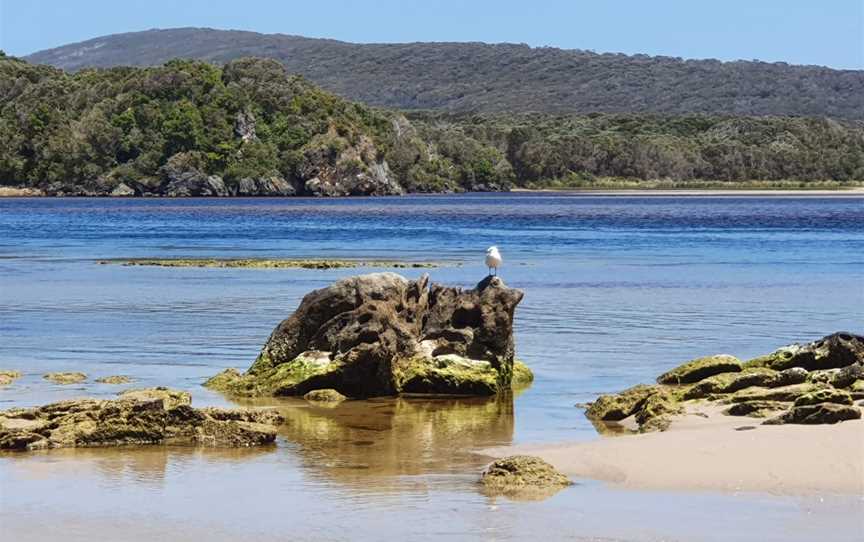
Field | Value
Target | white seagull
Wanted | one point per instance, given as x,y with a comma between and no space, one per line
493,260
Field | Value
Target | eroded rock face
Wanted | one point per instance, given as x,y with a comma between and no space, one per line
697,369
381,334
831,352
522,476
149,416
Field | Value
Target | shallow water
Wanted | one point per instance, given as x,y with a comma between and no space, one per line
617,290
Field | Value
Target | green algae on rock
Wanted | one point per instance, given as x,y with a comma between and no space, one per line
324,396
656,412
819,413
65,378
617,406
522,477
522,375
114,379
251,263
825,395
381,334
831,352
700,368
8,376
141,417
758,408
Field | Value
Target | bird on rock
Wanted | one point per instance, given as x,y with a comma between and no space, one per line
493,260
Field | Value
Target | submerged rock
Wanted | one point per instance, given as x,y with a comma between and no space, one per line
831,352
522,476
149,416
324,396
115,379
381,334
700,368
65,378
8,376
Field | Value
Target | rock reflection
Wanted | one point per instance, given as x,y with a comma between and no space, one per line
355,441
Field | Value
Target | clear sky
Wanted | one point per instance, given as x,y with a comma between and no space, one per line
824,32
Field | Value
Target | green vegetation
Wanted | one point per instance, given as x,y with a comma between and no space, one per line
249,128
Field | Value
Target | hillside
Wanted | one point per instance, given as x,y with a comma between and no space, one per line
248,128
477,77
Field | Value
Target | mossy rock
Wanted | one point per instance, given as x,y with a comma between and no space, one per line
617,406
65,378
700,368
656,412
820,413
756,409
731,382
170,398
522,375
324,396
292,378
783,393
826,395
522,476
8,376
824,376
447,375
848,375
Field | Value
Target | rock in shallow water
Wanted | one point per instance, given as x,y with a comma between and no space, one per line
522,476
149,416
8,376
324,396
65,378
381,334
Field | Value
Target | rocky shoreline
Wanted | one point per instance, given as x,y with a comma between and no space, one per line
815,383
251,263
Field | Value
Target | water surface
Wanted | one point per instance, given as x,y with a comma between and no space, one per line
617,290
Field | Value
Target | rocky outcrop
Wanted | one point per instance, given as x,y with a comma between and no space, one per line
273,185
814,383
522,476
335,166
138,417
381,334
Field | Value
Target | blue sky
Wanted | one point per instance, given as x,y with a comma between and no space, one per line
829,33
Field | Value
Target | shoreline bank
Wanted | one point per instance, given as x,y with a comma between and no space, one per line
706,450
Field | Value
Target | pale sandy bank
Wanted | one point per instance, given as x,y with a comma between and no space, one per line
710,453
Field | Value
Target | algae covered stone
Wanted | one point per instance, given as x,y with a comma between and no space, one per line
115,379
656,412
324,396
700,368
731,382
758,408
65,378
820,413
522,375
617,406
143,417
522,475
8,376
382,334
826,395
830,352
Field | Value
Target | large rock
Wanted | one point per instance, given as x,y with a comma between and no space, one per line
522,476
617,406
700,368
831,352
182,175
273,185
381,334
152,416
819,413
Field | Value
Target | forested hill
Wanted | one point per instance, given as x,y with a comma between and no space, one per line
477,77
249,128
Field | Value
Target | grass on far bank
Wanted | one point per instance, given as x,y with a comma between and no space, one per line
575,182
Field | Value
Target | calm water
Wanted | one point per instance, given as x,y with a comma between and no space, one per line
617,290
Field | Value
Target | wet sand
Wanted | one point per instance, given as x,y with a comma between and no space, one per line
717,453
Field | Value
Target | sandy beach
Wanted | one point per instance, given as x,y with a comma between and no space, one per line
706,450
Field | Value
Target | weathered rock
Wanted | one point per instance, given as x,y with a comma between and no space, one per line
825,395
122,190
381,334
821,413
656,412
522,375
700,368
324,396
8,376
144,417
182,176
617,406
831,352
787,377
731,382
114,379
784,393
169,398
856,390
756,409
824,376
522,476
848,375
273,185
65,378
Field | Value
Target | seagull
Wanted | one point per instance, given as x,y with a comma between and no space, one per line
493,260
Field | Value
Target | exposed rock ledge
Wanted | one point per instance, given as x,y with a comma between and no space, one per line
814,383
382,334
147,416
